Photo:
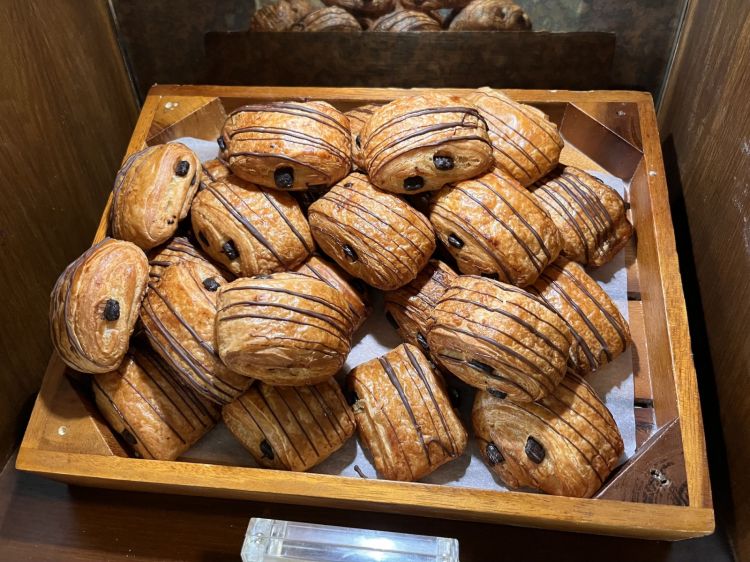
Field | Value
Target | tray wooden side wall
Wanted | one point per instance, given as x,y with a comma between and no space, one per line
612,131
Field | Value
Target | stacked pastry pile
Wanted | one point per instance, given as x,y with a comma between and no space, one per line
236,317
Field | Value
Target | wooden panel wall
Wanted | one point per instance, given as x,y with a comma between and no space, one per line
66,112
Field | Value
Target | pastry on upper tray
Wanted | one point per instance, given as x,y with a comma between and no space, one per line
431,5
363,8
330,18
213,170
589,214
250,230
374,235
287,145
500,338
594,320
152,193
493,225
491,15
281,15
145,403
284,328
566,444
421,143
292,427
357,119
405,20
525,142
177,250
404,416
94,305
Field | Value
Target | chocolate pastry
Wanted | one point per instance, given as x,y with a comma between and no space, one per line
288,145
293,427
491,15
493,225
594,320
94,305
525,142
421,143
566,444
373,235
353,290
331,18
177,250
152,193
281,15
250,230
145,403
430,5
178,316
357,119
404,415
405,20
589,214
284,329
497,337
213,170
363,8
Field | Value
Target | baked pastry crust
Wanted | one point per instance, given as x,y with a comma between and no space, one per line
94,305
375,236
422,143
288,145
566,444
145,403
525,142
497,337
283,329
406,20
178,317
293,427
357,119
491,15
250,230
430,5
404,416
152,193
492,225
594,320
281,15
330,18
363,8
213,170
589,214
177,250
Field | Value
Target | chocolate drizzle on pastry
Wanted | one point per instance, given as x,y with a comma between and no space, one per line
405,20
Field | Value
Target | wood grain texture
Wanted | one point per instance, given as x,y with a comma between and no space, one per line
67,112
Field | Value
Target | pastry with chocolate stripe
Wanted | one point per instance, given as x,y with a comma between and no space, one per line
375,236
566,444
404,416
292,427
330,18
363,8
589,214
281,15
405,20
94,305
213,170
430,5
145,403
492,225
491,15
178,249
497,337
357,119
422,143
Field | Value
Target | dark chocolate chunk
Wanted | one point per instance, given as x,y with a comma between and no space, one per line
230,250
413,183
443,162
202,237
494,456
182,168
391,319
479,366
351,396
284,177
111,310
222,144
266,449
534,450
422,341
455,396
497,393
349,252
455,241
211,284
129,437
358,141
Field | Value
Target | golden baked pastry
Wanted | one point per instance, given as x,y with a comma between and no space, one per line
178,316
566,444
430,5
374,235
330,18
405,20
145,403
491,15
363,8
589,214
357,119
525,142
292,427
152,193
177,250
250,230
283,329
288,145
404,416
213,170
497,337
421,143
281,15
492,225
353,290
94,305
594,320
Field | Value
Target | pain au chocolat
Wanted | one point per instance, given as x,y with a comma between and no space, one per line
422,143
250,230
178,249
404,416
152,193
566,444
330,18
94,305
145,403
589,214
213,170
357,119
405,20
375,236
178,316
500,338
491,15
363,8
292,427
525,142
493,225
281,15
283,329
431,5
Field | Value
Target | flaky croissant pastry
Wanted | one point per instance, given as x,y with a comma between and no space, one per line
405,20
491,15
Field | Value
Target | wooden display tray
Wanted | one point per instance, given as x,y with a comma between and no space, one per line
663,492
